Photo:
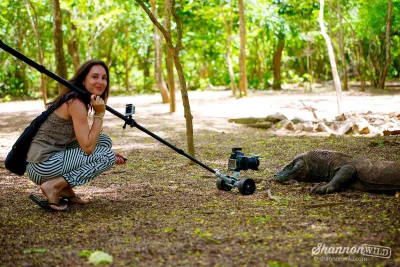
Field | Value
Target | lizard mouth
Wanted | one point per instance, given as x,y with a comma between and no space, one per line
282,176
292,171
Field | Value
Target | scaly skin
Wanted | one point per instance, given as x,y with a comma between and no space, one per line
341,171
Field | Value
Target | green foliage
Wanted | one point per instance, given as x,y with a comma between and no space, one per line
120,33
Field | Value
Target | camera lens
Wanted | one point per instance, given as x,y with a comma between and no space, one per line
253,163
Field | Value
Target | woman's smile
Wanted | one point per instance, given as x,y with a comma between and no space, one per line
96,80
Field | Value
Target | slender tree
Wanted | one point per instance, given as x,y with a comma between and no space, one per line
127,58
331,54
228,24
20,71
358,47
58,41
242,58
175,52
169,57
386,66
276,62
73,47
158,75
34,23
341,48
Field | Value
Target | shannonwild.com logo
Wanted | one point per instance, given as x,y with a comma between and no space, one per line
355,253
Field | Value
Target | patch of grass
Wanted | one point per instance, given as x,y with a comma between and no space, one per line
168,229
308,197
158,210
262,219
37,250
86,253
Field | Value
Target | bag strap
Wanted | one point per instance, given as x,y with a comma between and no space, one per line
63,99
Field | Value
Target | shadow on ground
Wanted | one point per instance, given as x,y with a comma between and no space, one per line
159,210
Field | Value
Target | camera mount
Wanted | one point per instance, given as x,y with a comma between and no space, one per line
129,111
224,182
238,162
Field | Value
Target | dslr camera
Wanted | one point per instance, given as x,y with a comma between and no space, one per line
239,162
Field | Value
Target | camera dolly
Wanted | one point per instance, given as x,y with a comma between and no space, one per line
238,162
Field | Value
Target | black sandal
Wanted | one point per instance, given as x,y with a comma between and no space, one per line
69,200
45,205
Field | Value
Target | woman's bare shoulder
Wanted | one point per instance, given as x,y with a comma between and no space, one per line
64,111
77,106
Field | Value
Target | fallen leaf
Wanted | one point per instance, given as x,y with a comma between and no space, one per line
100,257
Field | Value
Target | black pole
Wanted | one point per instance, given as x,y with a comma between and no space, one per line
128,120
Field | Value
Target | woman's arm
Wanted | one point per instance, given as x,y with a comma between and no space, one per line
87,137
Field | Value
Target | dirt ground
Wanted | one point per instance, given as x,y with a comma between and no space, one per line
159,210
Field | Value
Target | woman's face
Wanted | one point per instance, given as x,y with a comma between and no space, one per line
96,80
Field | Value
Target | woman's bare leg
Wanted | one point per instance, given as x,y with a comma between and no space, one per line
51,189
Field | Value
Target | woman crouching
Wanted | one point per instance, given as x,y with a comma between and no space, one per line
66,152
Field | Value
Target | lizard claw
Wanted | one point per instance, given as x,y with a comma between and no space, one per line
323,189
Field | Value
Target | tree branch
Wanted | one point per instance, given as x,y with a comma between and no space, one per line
178,46
158,25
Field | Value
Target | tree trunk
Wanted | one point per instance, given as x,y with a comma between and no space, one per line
158,75
73,48
109,50
242,57
175,51
146,70
335,74
375,68
170,58
341,49
359,51
37,36
228,30
58,41
360,65
383,74
20,72
276,64
330,25
308,53
127,67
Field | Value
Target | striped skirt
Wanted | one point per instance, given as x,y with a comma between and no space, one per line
73,164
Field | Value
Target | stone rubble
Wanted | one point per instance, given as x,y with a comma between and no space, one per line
368,124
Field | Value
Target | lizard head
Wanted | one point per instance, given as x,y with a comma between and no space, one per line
297,169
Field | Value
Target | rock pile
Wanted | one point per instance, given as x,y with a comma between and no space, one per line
359,124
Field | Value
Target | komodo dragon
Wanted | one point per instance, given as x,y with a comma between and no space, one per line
341,171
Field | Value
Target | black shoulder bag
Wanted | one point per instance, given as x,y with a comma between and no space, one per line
16,158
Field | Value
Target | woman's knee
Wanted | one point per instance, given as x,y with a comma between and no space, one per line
104,155
104,141
109,157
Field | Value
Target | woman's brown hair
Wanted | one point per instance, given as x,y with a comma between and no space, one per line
78,79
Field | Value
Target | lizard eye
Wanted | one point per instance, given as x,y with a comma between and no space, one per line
297,165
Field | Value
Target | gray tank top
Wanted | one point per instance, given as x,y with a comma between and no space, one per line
53,135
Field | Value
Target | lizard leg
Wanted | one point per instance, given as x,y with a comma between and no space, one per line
342,177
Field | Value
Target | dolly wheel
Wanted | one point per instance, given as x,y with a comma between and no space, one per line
222,185
247,186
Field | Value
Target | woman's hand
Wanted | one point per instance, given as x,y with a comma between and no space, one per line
119,159
98,105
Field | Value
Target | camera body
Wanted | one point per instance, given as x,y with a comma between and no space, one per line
129,110
239,162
